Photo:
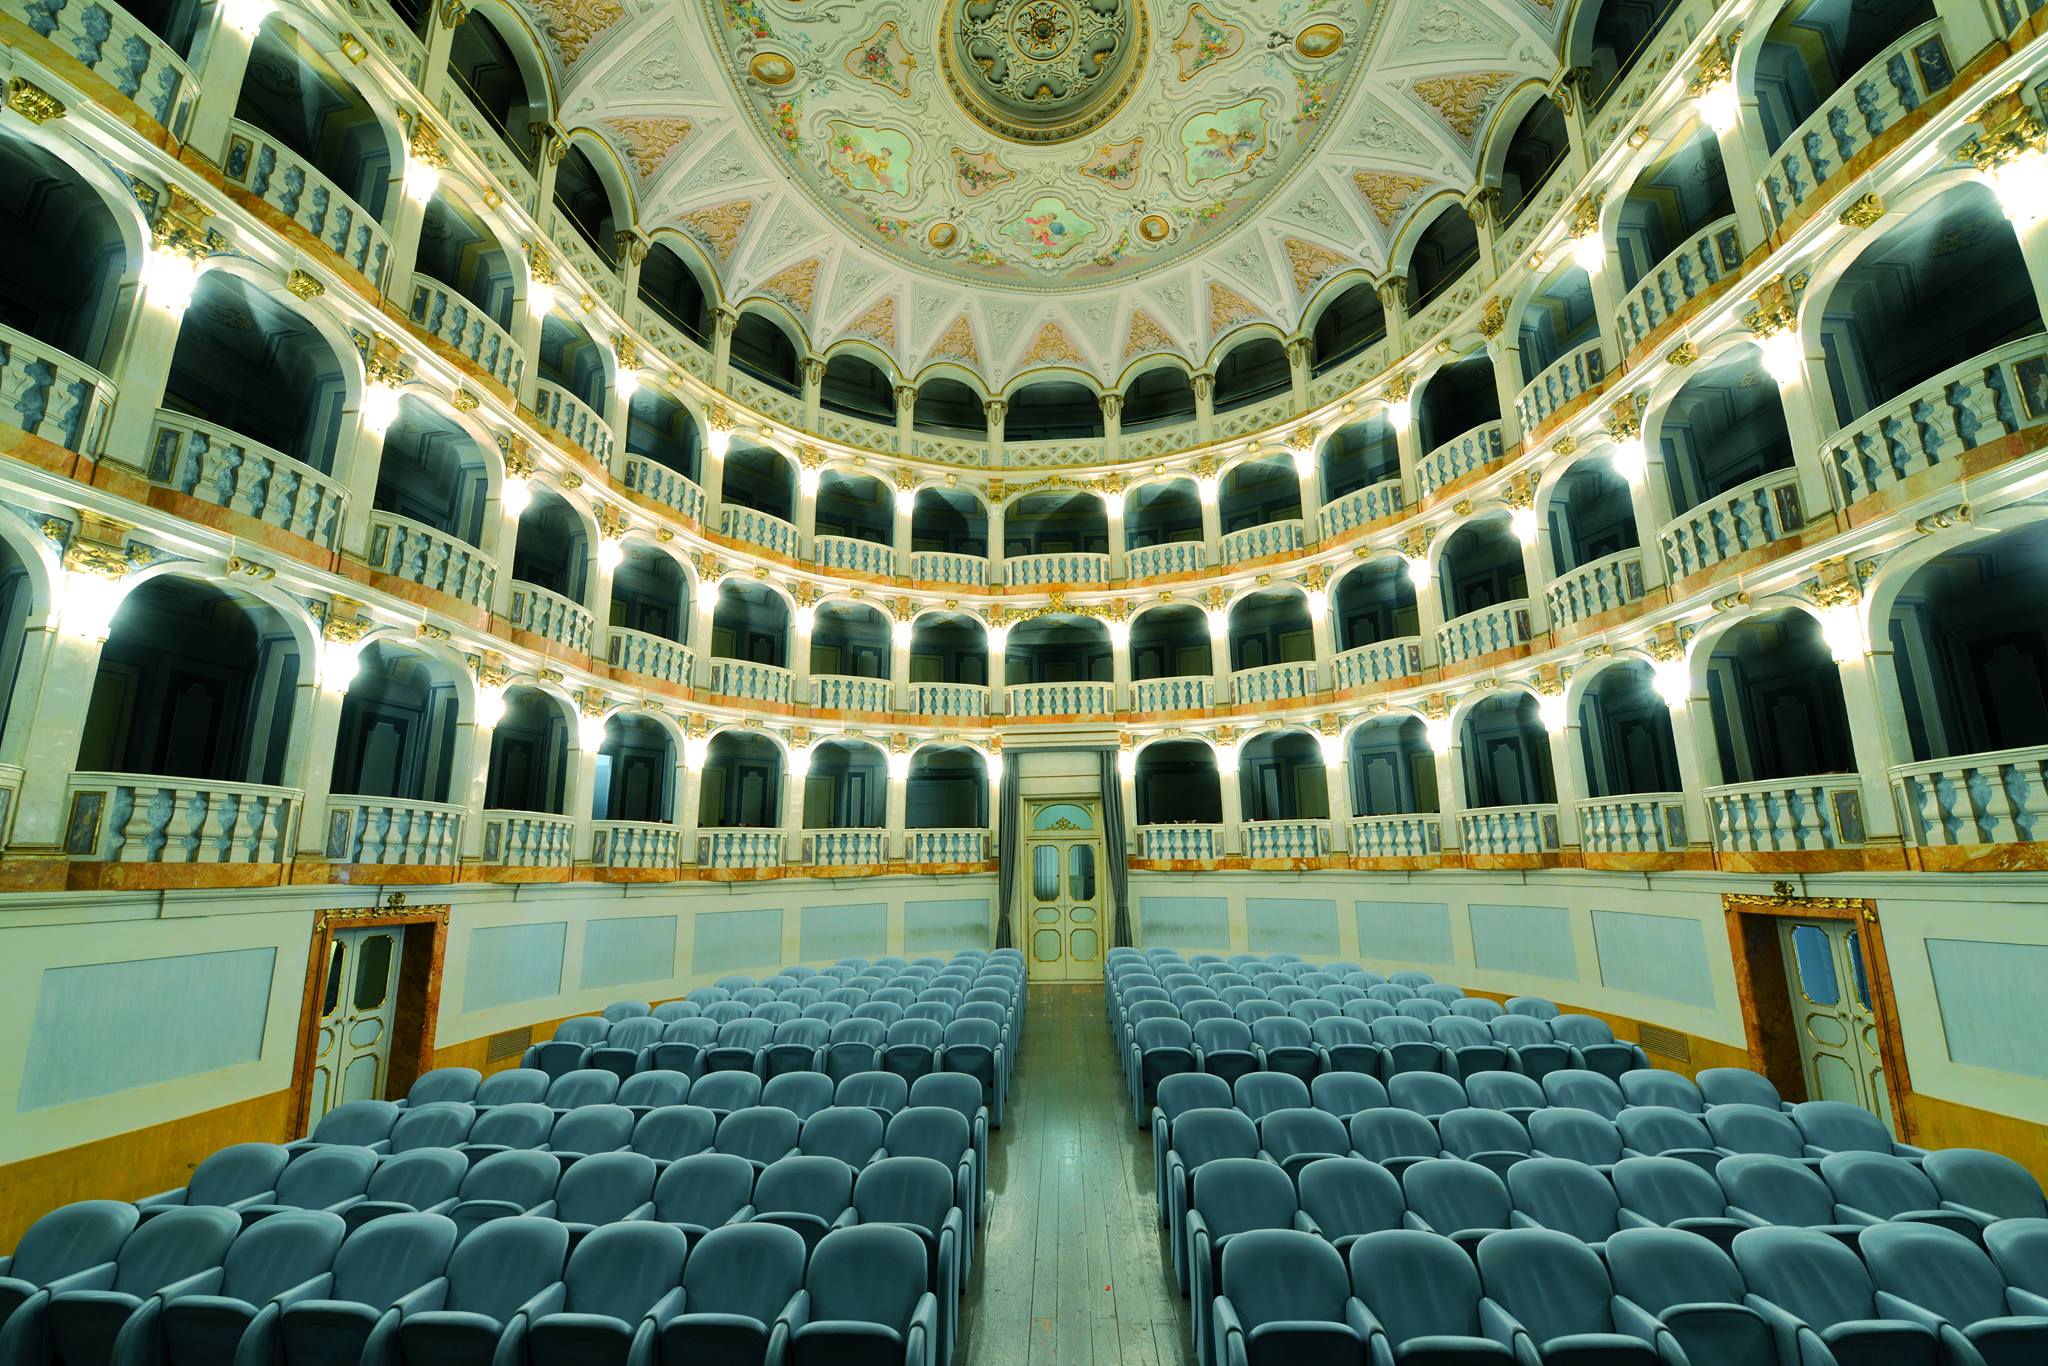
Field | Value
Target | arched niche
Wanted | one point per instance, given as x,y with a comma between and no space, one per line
1058,649
1725,427
949,647
1177,783
763,349
850,640
1252,370
1558,319
664,431
1534,151
1256,492
248,363
679,290
1056,522
856,505
1171,642
750,622
590,193
1481,566
1347,326
1162,513
651,593
636,771
1444,250
1271,626
1052,410
1625,733
949,407
571,359
1359,455
1671,201
459,252
1607,38
846,787
758,478
741,786
1375,602
1280,777
949,521
493,61
552,548
1592,515
1159,396
400,728
1393,769
1506,753
857,387
72,301
432,471
295,96
1810,50
947,789
1456,399
1775,695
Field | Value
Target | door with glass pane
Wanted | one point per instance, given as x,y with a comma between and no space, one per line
353,1047
1839,1047
1063,891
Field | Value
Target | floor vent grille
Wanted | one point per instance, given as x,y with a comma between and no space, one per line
1667,1043
513,1042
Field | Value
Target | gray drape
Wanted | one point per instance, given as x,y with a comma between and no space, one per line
1009,814
1115,854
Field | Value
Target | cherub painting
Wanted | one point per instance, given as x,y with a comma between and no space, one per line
1223,142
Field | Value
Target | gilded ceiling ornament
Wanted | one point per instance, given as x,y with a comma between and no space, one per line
1319,41
1863,213
1154,227
304,285
650,141
796,286
957,343
1311,264
718,228
1388,192
575,24
1115,164
1143,334
1685,353
1051,344
1460,100
1205,40
878,323
942,235
772,69
882,59
976,173
1042,71
1227,307
1492,319
32,102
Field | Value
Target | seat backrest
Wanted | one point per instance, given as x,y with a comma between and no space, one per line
1579,1135
752,1034
391,1257
726,1091
674,1131
585,1029
1426,1093
1450,1195
805,1185
604,1188
749,1270
1251,1012
1336,1030
759,1133
1201,1136
1777,1190
928,1131
325,1176
620,1270
1458,1031
1281,1031
524,1125
642,1031
584,1086
1656,1086
1259,1094
1349,1198
1667,1189
1841,1127
438,1124
1987,1181
950,1090
1878,1183
503,1263
444,1083
803,1094
1312,1010
1476,1008
1660,1129
514,1086
1583,1090
1367,1010
885,1091
916,1034
1344,1094
1223,1034
2020,1247
850,1135
723,1013
1810,1274
1566,1196
1422,1008
1660,1267
706,1189
1936,1268
1469,1131
521,1178
1581,1031
1393,1029
675,1010
593,1129
1555,1285
1195,1012
1150,1034
652,1089
1519,1031
1289,1133
871,1273
1185,1091
1743,1128
626,1010
1386,1134
1535,1007
1505,1091
904,1190
691,1029
236,1172
861,1030
777,1013
357,1121
1278,1275
279,1252
1416,1284
421,1178
1736,1086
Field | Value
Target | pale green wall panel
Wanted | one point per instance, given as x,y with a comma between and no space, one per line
509,963
1404,931
1184,922
1291,924
1653,955
943,926
639,948
1526,939
728,940
1991,1003
842,931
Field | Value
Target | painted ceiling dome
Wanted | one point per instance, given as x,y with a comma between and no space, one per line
1042,70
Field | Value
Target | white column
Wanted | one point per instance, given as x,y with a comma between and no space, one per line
223,63
1568,773
1429,618
58,667
1506,354
1450,795
1871,746
899,667
321,706
1120,672
813,387
1113,506
724,320
1693,776
1219,665
1205,407
1209,495
690,780
1298,349
906,418
800,664
1233,811
1743,158
1809,419
702,609
468,782
897,846
1324,633
807,514
998,676
581,795
139,379
1337,782
2034,250
1112,405
900,530
792,817
1309,477
995,545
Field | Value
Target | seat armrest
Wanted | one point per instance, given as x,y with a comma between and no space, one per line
1976,1216
1504,1328
429,1298
207,1282
1411,1220
1628,1218
1633,1319
1227,1329
161,1200
1517,1219
1795,1341
1849,1214
797,1313
1304,1223
1743,1216
923,1337
2026,1302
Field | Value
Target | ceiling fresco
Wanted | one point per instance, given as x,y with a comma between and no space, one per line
1014,183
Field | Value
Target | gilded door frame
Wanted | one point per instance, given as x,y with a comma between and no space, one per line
1104,912
419,995
1761,988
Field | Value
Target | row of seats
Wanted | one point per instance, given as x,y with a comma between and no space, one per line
196,1287
1900,1295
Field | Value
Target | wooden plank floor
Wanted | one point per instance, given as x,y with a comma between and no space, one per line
1071,1268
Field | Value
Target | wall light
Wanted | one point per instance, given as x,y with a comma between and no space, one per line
906,501
1783,359
1437,730
1226,759
1205,489
806,618
540,297
1318,601
807,481
1219,622
899,765
717,441
696,748
629,384
998,636
517,494
994,762
1842,629
1418,570
422,181
707,593
1305,462
590,733
246,16
1589,253
340,661
90,602
1631,459
2021,184
1333,749
900,633
1522,521
1718,106
611,553
1400,412
490,705
169,279
1550,710
1670,681
1113,503
380,406
1119,633
1127,764
799,760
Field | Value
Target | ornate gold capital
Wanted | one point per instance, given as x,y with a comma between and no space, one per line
1492,319
304,286
1625,418
32,102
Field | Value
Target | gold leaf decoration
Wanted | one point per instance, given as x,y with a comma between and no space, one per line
575,24
957,343
1310,263
650,140
1388,192
1227,306
796,286
878,323
1051,344
1460,100
1145,335
718,228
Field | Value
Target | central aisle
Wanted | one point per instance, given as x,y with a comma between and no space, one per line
1071,1268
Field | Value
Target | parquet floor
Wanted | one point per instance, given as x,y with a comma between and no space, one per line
1071,1267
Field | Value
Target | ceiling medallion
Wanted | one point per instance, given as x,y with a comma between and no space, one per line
942,236
1042,71
1318,41
1154,227
772,69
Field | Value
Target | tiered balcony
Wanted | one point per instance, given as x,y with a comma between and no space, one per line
842,692
963,700
1570,376
1746,518
1258,542
1458,457
419,554
551,616
1710,257
1203,843
758,528
1601,586
1964,407
601,279
108,42
1173,694
49,395
965,845
473,333
528,839
286,182
1273,683
1890,86
640,846
653,480
1074,567
1286,839
860,848
1382,662
942,566
739,848
1062,699
1168,557
854,555
745,681
1787,815
1509,831
386,830
1999,798
1639,823
1502,626
563,412
1361,507
649,655
487,143
142,818
230,471
1407,835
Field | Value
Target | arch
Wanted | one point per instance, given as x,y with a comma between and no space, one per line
496,57
1591,514
433,470
1506,751
1556,317
752,621
681,284
1607,37
1458,397
1625,734
760,478
948,647
1528,142
1171,640
1177,782
57,210
1162,511
1436,249
1361,453
741,784
663,429
1280,776
1480,565
554,547
400,734
1724,427
26,567
1271,626
846,785
1258,490
1774,694
947,788
651,591
1344,318
1058,521
850,640
950,402
856,504
1392,767
635,778
530,753
1056,408
768,344
469,256
571,357
1809,51
1670,201
1250,366
952,521
1058,648
296,93
1374,601
859,381
1158,391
